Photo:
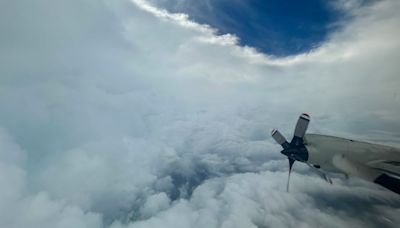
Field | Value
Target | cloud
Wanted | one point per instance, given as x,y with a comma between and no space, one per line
21,208
120,114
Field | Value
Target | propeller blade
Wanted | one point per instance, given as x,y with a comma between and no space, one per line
291,162
280,139
302,125
320,173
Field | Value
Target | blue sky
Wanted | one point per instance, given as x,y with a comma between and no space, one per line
274,27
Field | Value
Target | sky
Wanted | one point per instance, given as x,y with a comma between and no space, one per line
274,27
135,113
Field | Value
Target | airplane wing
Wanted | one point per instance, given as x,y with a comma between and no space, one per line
369,161
379,157
387,166
372,156
372,162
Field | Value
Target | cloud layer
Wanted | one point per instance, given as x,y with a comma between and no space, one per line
119,114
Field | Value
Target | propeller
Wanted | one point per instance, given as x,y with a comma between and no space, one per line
291,162
295,150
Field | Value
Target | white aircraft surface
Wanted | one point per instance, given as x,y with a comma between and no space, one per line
372,162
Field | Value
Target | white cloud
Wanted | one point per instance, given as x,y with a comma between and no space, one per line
124,115
21,208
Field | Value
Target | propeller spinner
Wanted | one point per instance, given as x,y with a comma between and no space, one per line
295,150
